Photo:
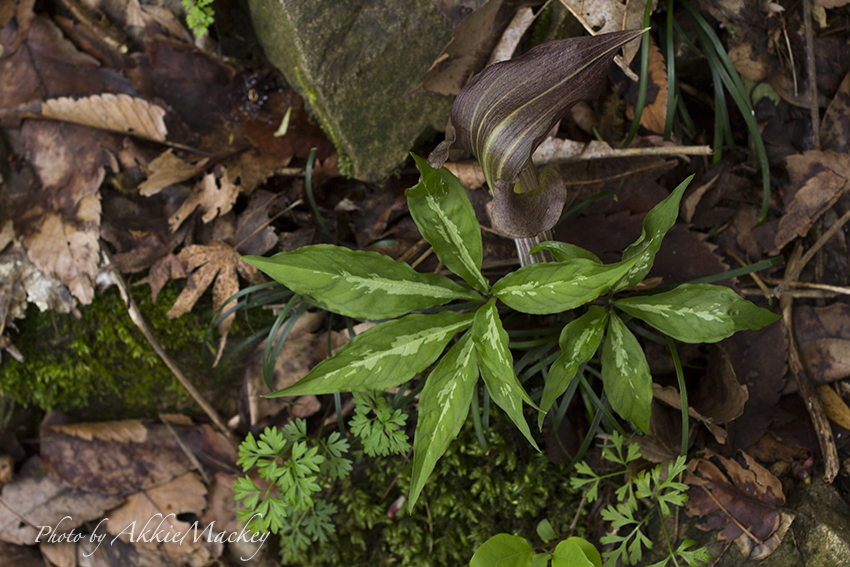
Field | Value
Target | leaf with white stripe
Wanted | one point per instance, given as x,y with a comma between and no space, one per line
658,221
579,341
385,356
553,287
625,374
497,367
698,313
443,407
363,285
444,215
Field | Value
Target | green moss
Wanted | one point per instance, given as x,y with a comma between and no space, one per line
100,366
470,497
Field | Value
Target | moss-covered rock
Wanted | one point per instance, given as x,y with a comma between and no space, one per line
101,367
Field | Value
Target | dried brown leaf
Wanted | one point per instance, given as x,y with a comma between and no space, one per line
124,431
253,235
45,501
205,263
820,177
168,169
467,53
835,127
117,113
215,194
69,250
60,554
654,115
741,497
751,64
604,16
169,267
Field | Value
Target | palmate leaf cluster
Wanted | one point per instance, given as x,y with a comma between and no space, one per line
658,486
382,434
367,285
293,468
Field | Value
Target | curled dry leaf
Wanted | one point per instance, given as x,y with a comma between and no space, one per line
117,113
215,194
744,498
168,169
44,501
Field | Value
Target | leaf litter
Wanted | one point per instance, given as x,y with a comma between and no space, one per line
145,128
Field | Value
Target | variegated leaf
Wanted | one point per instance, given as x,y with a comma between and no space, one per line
497,368
563,251
625,374
558,286
579,341
364,285
444,215
443,407
698,313
386,355
656,224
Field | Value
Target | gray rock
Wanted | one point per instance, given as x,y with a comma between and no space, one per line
354,62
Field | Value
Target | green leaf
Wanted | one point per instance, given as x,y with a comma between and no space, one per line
545,530
563,251
503,550
442,211
363,285
576,552
698,313
542,289
540,560
656,224
579,341
385,356
496,366
625,374
443,407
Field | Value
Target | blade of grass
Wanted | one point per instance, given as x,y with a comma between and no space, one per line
308,185
582,205
268,366
683,393
670,49
600,406
476,422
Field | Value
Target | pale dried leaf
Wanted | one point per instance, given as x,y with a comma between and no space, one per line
831,3
117,113
45,501
60,554
469,173
654,115
128,430
69,251
512,35
168,169
215,194
604,16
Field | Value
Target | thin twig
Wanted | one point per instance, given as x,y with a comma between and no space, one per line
811,73
139,321
186,451
731,517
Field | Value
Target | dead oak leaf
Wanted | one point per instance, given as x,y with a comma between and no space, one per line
205,263
117,113
215,194
168,169
747,499
654,115
603,16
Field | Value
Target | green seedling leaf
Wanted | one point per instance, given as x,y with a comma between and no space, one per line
656,224
443,407
546,531
385,356
625,374
496,366
505,111
576,552
563,251
503,550
579,341
363,285
540,560
444,215
698,313
542,289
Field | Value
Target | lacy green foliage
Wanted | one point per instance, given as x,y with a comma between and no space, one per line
382,434
659,485
293,468
474,494
101,363
199,15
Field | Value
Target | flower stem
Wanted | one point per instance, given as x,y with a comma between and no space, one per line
524,245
